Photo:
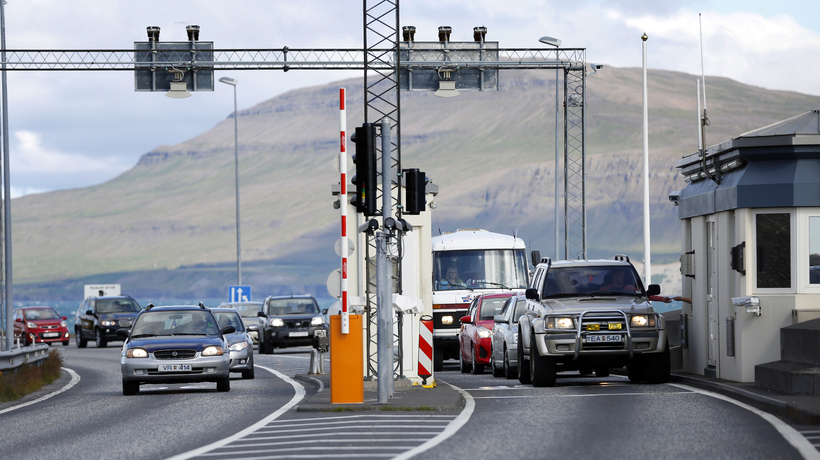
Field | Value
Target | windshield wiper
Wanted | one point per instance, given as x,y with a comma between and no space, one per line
142,335
634,294
503,286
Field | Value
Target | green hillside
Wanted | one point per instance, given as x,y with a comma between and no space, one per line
171,217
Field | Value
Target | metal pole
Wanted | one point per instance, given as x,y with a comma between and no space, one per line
384,332
647,252
236,171
6,186
557,187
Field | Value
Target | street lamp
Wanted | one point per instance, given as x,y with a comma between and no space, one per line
556,43
233,82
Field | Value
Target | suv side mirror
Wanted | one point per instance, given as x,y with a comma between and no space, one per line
532,294
260,313
654,289
89,312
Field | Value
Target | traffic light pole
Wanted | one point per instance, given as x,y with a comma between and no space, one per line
384,332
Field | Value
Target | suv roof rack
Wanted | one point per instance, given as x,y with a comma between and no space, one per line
622,258
202,306
150,306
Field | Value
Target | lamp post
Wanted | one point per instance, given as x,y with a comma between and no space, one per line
7,282
647,250
556,43
233,82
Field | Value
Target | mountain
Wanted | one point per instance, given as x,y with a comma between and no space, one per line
166,227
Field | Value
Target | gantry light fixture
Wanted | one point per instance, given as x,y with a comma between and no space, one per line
179,88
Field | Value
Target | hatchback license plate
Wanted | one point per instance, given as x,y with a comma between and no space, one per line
298,334
603,338
175,368
51,334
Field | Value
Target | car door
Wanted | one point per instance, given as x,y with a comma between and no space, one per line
500,330
467,329
18,325
85,318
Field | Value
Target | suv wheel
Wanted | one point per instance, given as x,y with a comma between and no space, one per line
267,348
542,369
658,366
601,372
79,339
523,366
636,369
99,338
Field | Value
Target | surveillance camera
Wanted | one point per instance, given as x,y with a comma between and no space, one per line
674,197
596,66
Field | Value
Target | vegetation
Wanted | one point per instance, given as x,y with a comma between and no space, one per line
28,378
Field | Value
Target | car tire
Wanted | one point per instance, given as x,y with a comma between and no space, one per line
79,339
224,385
658,366
130,388
99,339
601,372
268,348
248,374
542,369
461,364
497,371
636,370
585,371
477,368
65,343
523,368
509,372
438,359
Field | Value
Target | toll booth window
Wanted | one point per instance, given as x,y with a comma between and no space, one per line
773,233
814,250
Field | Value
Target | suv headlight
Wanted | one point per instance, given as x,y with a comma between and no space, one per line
212,351
483,332
239,346
276,322
560,323
642,321
107,322
136,353
515,337
317,321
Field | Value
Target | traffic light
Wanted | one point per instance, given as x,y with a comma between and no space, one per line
415,184
365,158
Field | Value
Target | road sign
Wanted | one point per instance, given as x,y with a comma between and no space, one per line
239,293
100,290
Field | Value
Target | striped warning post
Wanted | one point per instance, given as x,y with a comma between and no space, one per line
426,350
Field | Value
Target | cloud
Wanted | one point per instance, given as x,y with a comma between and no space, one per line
29,155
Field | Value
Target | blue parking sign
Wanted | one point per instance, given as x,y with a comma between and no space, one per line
239,293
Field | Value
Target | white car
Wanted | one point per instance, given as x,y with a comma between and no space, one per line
504,359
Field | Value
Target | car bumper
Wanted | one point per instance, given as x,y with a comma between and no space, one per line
49,336
241,360
284,337
483,351
567,345
203,369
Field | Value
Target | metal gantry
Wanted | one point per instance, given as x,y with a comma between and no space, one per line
379,60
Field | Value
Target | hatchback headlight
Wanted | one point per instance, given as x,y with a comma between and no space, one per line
212,351
238,346
276,322
136,353
31,325
484,333
108,323
560,323
317,321
642,321
63,324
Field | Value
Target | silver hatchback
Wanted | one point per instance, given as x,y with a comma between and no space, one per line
504,359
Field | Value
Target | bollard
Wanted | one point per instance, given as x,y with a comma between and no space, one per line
426,351
315,359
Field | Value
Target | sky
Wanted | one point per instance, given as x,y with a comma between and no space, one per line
81,128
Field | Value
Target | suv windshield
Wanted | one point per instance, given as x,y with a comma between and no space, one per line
175,322
117,306
278,307
592,280
480,269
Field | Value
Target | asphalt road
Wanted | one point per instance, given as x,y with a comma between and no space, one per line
582,417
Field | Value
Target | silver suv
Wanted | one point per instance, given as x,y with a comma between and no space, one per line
591,315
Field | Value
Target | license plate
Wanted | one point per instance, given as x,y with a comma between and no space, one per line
601,338
174,368
51,334
298,334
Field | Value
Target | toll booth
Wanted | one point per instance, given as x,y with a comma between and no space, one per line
750,216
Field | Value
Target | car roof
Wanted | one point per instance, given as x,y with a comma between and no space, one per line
228,304
224,310
123,296
177,307
590,263
292,296
497,294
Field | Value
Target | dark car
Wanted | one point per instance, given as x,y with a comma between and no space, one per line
239,342
290,321
175,344
40,324
99,319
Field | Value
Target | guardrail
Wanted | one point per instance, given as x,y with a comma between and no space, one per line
16,357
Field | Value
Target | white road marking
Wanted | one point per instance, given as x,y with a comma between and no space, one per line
451,429
75,378
792,436
300,393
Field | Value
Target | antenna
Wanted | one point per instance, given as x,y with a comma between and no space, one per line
704,120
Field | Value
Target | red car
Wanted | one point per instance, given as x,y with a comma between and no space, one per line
40,324
475,340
